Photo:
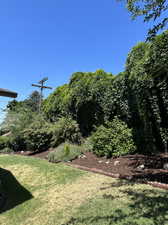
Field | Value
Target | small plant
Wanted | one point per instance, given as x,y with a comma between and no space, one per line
113,139
66,149
65,152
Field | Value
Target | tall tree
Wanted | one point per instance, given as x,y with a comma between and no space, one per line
151,10
33,101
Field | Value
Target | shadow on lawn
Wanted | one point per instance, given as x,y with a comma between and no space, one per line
145,207
13,193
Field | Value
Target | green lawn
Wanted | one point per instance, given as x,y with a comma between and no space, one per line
41,193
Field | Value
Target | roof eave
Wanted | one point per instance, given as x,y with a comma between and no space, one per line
7,93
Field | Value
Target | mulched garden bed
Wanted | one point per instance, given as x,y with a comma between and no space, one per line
127,166
42,155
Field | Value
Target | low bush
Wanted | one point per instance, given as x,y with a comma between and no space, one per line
3,131
6,150
12,142
37,136
4,142
87,145
112,139
18,120
17,142
65,129
65,152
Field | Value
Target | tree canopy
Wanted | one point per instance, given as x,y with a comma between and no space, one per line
138,96
150,10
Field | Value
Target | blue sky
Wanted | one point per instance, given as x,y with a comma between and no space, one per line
55,38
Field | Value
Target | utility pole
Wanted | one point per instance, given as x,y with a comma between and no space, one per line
41,86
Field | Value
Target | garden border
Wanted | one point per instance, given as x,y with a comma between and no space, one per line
118,176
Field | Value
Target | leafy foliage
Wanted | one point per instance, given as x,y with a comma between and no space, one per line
31,103
157,57
81,99
148,96
112,139
4,142
6,150
65,152
57,104
86,145
18,119
16,122
138,96
150,10
37,136
86,98
65,129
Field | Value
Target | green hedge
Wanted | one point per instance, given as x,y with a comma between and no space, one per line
113,139
4,142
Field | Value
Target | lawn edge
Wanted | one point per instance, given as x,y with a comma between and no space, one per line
118,176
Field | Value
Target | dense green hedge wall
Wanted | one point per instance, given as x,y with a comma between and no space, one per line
81,99
138,96
147,70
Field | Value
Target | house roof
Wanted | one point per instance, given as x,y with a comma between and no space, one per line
7,93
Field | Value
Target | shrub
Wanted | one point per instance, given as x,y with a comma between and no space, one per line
65,129
12,142
87,145
112,139
17,121
3,131
37,137
65,152
17,142
4,142
6,150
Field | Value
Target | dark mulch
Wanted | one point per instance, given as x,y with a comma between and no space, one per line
42,155
126,166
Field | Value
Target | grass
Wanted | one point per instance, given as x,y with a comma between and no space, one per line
41,193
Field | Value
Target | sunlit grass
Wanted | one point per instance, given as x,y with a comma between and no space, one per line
41,193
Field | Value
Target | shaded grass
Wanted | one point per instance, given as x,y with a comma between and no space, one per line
13,192
124,203
61,195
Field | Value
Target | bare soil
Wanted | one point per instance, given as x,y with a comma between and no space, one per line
42,155
127,166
